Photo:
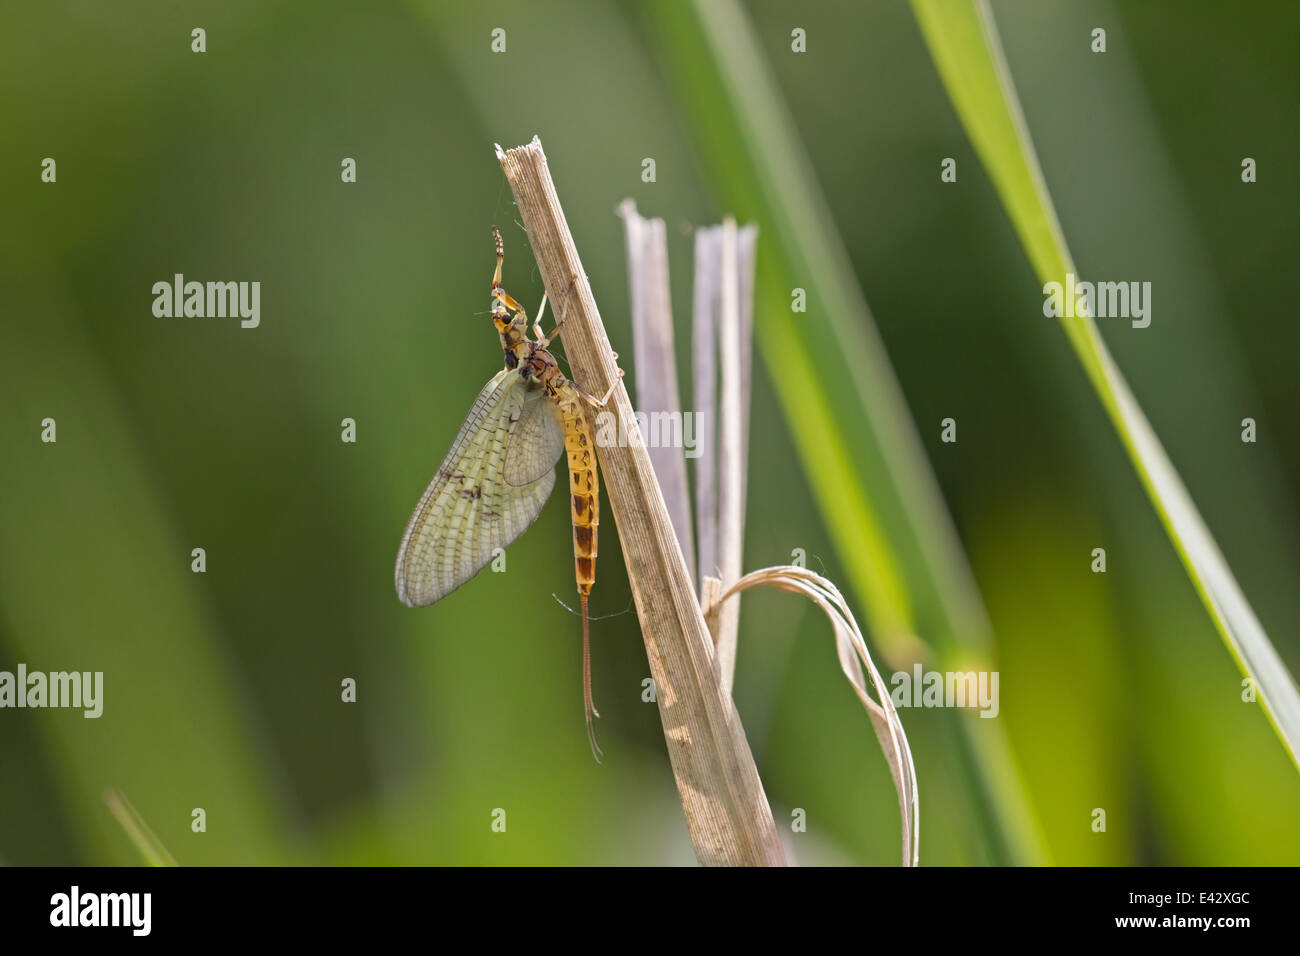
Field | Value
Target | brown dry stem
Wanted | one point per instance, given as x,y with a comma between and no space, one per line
727,812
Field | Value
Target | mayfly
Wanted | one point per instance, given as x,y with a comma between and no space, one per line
501,469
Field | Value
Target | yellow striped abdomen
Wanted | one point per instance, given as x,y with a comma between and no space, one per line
584,487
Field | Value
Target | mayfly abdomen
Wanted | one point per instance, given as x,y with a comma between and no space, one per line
584,490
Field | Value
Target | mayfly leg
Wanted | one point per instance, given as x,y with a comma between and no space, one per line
542,340
545,340
599,403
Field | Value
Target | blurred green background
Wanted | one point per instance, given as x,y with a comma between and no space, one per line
222,690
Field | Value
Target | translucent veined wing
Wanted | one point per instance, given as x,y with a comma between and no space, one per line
536,442
487,491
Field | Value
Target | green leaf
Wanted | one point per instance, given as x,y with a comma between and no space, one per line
964,42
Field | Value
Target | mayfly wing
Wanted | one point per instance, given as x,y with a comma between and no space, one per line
537,441
489,488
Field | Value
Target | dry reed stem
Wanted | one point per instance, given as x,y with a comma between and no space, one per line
724,302
727,812
655,361
731,464
704,351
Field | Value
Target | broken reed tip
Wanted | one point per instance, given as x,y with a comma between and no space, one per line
534,143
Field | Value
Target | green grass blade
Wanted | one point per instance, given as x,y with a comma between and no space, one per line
849,421
95,578
137,830
964,42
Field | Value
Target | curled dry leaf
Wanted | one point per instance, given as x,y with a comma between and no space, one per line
851,648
